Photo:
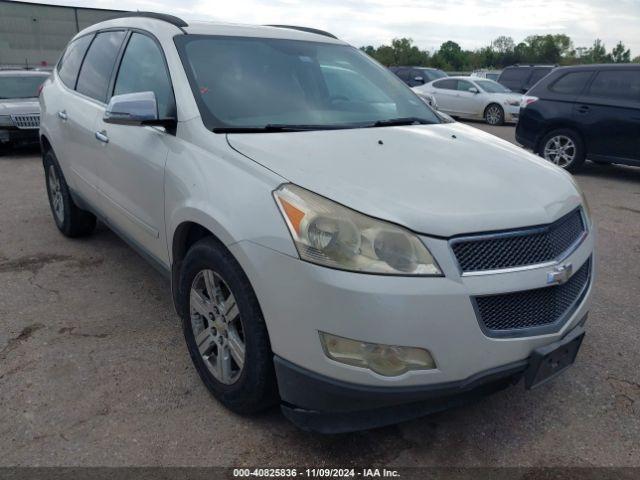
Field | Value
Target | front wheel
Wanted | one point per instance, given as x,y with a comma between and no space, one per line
224,329
494,115
563,148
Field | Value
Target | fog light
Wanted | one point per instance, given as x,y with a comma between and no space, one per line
387,360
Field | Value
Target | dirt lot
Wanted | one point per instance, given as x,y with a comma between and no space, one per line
94,371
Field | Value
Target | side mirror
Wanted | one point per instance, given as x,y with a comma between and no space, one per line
420,80
474,90
139,108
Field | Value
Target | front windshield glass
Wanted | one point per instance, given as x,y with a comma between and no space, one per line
259,83
20,86
492,87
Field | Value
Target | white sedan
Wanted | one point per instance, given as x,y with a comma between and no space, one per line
471,97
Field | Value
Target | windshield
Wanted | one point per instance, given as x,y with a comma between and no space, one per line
265,83
20,86
491,86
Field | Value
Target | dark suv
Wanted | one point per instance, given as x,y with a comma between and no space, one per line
414,76
520,78
587,111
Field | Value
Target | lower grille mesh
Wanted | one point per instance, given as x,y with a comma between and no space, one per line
532,308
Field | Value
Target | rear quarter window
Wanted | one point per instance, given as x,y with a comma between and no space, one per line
571,83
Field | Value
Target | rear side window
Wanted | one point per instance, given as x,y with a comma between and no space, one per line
143,69
95,73
69,64
446,84
571,83
515,74
616,84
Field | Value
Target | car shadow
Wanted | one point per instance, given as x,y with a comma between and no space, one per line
610,171
13,153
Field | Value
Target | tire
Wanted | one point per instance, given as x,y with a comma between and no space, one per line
564,148
494,114
209,272
71,220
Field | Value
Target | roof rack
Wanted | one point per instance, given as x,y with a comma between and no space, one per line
306,29
172,19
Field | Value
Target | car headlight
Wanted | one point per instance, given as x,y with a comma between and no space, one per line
328,234
6,121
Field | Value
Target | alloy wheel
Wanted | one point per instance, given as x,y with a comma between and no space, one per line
493,115
560,150
217,326
55,193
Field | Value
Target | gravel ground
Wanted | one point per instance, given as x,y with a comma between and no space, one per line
94,371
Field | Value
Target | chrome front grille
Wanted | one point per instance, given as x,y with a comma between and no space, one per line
532,312
523,247
25,122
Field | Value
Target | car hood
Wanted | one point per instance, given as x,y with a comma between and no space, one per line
439,180
19,106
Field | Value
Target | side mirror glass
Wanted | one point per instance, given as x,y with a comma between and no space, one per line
419,80
140,108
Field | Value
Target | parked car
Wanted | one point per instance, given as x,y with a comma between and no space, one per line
346,254
490,74
19,108
589,111
414,76
520,78
471,97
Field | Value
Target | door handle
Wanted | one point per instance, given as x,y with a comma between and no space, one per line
583,109
102,136
62,114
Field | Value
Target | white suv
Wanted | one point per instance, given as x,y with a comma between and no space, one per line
332,245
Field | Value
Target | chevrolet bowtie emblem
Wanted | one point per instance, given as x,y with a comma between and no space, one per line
560,274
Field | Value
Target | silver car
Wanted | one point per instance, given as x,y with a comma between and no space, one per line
19,107
332,244
471,97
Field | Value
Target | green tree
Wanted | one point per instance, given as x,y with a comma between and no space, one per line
452,54
597,53
503,45
621,55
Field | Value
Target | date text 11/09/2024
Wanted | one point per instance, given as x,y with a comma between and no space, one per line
316,472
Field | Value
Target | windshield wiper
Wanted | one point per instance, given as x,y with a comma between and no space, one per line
396,122
278,127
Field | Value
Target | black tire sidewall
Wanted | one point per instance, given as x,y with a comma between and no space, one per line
255,387
50,160
579,158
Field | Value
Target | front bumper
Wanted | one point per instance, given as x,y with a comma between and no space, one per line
320,404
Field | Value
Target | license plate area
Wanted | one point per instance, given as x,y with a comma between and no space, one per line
549,361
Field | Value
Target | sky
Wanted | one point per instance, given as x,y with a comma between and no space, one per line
471,23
